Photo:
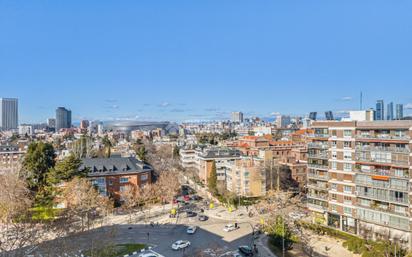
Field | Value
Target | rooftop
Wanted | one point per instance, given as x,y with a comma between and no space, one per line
114,166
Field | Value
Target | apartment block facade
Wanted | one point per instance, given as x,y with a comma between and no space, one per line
359,177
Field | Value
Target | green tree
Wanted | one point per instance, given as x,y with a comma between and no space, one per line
40,157
176,152
279,233
108,146
212,180
65,170
142,153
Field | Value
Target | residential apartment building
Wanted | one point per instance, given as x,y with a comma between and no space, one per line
359,177
189,158
63,118
247,177
10,157
113,175
9,113
222,157
237,117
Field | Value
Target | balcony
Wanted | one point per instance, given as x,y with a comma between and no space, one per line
318,196
318,176
318,186
385,198
382,160
400,150
318,146
318,166
319,135
323,156
383,137
381,172
315,207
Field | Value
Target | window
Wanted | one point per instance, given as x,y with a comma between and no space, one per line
347,189
334,165
347,200
347,210
334,186
334,197
347,133
347,167
346,144
122,188
334,208
124,180
333,144
144,177
334,155
347,156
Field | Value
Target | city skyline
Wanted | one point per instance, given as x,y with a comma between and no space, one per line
187,61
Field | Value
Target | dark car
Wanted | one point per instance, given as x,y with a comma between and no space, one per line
190,214
246,250
203,217
196,198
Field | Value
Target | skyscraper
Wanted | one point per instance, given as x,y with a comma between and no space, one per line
9,113
389,111
399,111
237,117
380,110
282,121
329,115
63,118
313,115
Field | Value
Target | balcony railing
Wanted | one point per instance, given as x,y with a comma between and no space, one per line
318,166
317,207
318,185
319,156
318,145
401,150
383,137
386,198
381,173
382,161
318,196
319,135
318,176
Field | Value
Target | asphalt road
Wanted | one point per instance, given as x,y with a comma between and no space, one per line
209,235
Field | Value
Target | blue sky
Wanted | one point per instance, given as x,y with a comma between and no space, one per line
188,60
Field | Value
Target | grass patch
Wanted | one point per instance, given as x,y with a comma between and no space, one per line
44,213
115,250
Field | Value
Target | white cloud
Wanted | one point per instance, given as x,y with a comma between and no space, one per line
274,113
347,98
408,106
164,104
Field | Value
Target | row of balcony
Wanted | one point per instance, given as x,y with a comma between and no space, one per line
383,136
318,145
368,148
318,166
382,160
381,172
384,197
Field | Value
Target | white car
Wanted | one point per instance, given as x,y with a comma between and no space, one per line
191,229
230,227
181,244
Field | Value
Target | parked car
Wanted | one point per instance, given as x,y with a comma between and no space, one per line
190,214
191,229
246,250
203,217
230,227
181,244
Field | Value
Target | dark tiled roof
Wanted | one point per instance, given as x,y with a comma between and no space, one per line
221,153
114,166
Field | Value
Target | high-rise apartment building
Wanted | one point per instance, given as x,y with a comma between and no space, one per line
399,111
9,113
63,118
380,110
359,177
329,115
237,117
389,112
282,121
51,122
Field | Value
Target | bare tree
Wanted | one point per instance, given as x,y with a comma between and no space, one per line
169,186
